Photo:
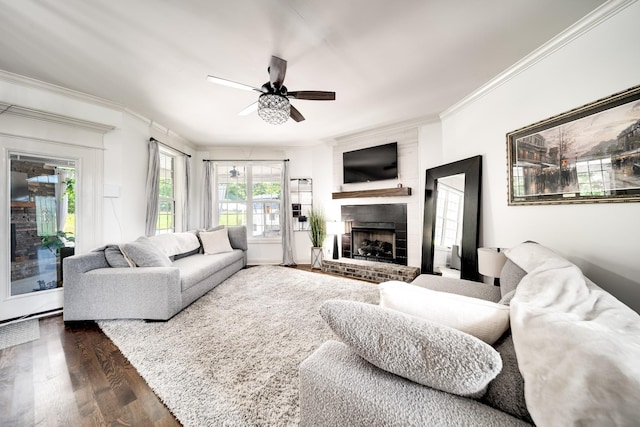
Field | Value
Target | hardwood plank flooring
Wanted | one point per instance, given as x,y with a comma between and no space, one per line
74,376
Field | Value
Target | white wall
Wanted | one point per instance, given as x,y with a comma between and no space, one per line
406,135
602,239
125,169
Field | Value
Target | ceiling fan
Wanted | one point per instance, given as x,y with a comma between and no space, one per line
273,104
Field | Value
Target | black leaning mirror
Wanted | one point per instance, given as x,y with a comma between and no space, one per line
472,170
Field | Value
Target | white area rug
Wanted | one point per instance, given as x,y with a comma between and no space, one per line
19,333
232,357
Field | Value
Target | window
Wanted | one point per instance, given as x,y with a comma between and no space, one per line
249,195
448,216
166,199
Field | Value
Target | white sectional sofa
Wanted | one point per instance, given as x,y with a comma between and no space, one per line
570,356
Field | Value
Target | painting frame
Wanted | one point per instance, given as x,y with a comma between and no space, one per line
567,158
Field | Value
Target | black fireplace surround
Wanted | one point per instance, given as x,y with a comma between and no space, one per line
375,232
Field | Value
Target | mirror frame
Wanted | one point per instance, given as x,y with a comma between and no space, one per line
472,168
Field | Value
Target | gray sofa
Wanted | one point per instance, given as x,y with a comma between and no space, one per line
102,285
578,347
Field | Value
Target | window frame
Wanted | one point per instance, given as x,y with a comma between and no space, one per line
170,200
250,201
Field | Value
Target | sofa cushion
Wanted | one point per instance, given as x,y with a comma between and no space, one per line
510,276
339,388
196,268
424,352
506,391
483,319
458,286
215,242
144,254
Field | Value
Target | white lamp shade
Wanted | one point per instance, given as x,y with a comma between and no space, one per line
490,262
335,227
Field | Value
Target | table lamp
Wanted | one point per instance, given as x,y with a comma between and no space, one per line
490,262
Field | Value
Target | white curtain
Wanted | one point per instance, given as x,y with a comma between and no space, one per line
153,187
207,208
187,187
62,199
286,218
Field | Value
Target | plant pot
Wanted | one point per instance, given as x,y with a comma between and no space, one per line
316,257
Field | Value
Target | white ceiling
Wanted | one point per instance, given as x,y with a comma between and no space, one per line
387,61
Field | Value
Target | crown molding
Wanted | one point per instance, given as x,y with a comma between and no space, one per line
159,130
16,110
583,26
385,129
59,90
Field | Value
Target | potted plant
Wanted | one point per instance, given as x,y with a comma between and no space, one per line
57,244
318,233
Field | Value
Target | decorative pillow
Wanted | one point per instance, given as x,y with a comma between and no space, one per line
485,320
215,242
424,352
145,254
175,243
114,257
510,276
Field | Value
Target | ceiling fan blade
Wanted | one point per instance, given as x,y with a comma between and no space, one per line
249,109
314,95
229,83
277,69
295,114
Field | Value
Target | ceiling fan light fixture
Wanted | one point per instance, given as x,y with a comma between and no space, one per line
273,108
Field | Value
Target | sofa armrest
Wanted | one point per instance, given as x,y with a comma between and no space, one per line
238,237
83,263
458,286
152,293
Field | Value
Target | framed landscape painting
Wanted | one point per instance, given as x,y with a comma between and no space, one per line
586,155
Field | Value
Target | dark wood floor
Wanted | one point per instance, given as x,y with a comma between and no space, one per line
74,376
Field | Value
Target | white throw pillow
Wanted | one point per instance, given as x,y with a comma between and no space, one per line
215,242
485,320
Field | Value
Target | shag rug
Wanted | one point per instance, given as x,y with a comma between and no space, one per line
231,358
19,333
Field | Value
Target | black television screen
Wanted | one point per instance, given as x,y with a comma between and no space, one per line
371,164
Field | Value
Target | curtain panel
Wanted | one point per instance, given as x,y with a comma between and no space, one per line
207,208
286,218
152,189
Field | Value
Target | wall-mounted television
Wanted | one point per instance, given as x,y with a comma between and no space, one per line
371,164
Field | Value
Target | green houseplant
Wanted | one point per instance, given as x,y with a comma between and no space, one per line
57,244
317,233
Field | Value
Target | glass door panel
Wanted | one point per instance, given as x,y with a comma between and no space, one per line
42,220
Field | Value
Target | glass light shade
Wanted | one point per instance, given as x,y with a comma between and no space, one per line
490,262
274,109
